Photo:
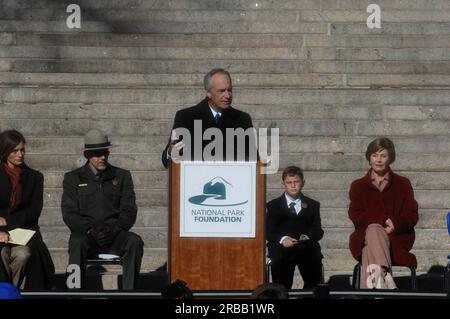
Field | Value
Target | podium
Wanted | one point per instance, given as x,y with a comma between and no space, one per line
217,242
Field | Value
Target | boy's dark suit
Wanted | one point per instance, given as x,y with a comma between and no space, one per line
231,118
306,254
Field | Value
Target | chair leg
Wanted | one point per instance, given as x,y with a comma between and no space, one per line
322,275
413,278
84,282
447,278
268,268
356,276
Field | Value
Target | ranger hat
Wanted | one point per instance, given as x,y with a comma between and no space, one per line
96,140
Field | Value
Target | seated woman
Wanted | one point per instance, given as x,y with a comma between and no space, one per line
21,201
384,213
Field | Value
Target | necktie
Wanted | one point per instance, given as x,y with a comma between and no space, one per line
217,118
292,208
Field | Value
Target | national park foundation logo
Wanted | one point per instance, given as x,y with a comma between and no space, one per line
215,194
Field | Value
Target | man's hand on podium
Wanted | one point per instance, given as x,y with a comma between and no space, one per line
175,144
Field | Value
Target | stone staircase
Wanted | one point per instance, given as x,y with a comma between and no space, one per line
311,68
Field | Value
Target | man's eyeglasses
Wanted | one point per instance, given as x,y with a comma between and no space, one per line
98,153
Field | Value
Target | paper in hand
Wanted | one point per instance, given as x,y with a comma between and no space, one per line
20,236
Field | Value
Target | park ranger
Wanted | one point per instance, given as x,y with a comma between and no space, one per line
99,207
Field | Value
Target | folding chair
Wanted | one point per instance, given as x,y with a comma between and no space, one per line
447,269
100,262
268,271
356,279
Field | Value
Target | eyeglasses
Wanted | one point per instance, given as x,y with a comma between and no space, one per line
98,153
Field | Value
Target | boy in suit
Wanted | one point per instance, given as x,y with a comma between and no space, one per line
293,230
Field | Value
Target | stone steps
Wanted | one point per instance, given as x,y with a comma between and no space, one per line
230,15
163,27
335,260
155,66
192,53
154,40
310,162
226,40
392,128
170,4
183,15
175,80
405,28
316,180
235,66
386,4
376,41
163,53
144,197
276,111
19,79
137,127
334,238
332,218
191,96
141,179
147,216
230,5
245,27
434,199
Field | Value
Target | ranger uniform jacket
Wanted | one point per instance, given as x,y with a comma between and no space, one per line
88,200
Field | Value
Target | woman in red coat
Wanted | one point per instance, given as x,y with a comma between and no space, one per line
384,213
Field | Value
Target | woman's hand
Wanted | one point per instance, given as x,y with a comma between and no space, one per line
4,237
389,226
2,221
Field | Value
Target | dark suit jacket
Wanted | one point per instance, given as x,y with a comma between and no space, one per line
40,268
282,222
231,118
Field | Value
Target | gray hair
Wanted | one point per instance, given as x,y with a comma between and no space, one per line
207,79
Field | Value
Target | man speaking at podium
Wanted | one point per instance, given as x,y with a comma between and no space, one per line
207,123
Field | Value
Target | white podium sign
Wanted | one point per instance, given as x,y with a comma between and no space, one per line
217,199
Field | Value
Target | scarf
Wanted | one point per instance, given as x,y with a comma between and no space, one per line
14,176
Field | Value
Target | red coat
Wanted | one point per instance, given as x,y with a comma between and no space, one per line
368,206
